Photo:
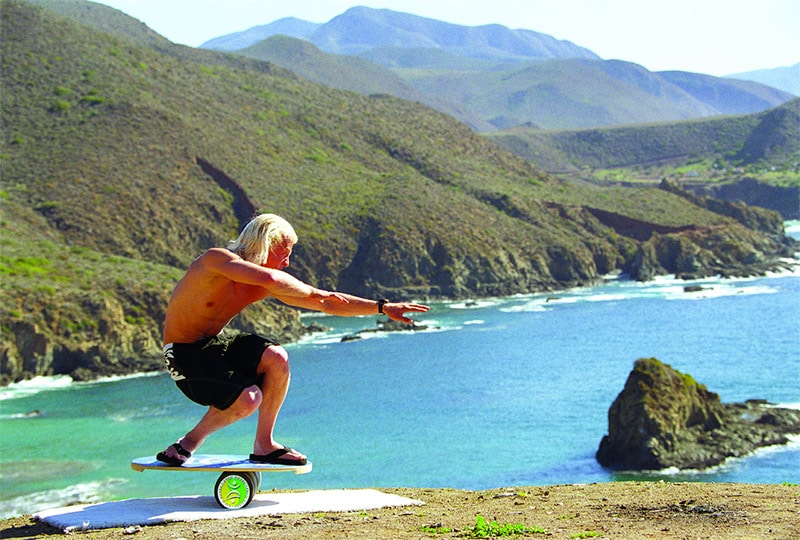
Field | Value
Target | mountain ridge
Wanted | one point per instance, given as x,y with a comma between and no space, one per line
747,139
786,78
492,77
288,26
361,28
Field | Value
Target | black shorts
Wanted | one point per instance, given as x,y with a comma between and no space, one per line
214,371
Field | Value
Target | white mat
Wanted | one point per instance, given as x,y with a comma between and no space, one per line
151,511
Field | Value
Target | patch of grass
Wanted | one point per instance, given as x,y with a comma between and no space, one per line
60,105
437,528
493,529
587,534
24,266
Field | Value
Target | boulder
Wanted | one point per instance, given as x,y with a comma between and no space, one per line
664,418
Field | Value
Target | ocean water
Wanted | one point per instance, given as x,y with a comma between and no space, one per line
497,392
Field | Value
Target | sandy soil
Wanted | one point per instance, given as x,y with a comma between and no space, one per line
610,510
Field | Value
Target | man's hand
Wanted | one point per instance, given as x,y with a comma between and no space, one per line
397,310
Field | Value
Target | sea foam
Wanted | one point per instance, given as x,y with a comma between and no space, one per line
34,386
84,493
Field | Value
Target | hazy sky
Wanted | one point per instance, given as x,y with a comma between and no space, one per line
717,37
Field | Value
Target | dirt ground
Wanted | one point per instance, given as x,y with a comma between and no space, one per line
610,510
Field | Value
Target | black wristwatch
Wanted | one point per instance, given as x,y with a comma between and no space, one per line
381,303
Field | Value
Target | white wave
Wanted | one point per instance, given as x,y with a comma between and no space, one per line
566,299
116,378
719,292
529,307
792,271
40,383
672,288
86,493
31,414
475,304
608,297
661,287
727,465
475,321
142,413
787,406
318,338
314,315
373,335
325,340
666,288
793,444
34,386
674,471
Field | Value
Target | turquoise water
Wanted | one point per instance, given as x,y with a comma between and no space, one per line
500,392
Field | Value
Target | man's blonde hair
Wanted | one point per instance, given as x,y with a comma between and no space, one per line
260,235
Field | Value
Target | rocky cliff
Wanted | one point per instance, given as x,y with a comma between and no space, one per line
108,322
88,335
747,247
783,199
664,418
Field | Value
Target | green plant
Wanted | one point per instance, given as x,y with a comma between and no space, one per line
588,534
60,105
48,205
24,266
437,528
492,529
93,99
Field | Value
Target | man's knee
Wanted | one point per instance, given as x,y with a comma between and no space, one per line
274,359
247,402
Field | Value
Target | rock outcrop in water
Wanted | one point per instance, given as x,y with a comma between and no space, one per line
664,418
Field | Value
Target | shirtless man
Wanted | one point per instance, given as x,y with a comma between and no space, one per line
236,375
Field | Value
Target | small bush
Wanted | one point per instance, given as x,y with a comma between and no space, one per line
60,105
486,529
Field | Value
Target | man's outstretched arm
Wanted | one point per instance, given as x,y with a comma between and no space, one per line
276,283
355,305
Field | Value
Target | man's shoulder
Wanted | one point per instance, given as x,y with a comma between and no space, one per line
219,251
216,254
210,261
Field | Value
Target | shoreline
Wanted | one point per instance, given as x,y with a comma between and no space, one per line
609,510
791,269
